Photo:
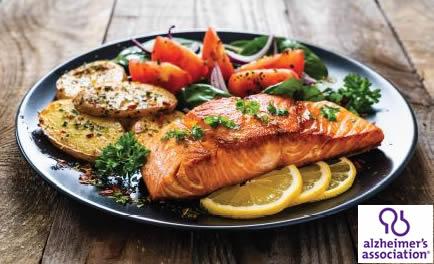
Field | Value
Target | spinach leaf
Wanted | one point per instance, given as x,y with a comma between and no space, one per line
297,90
129,54
313,65
198,93
248,47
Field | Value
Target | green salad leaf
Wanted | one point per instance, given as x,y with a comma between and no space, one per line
248,47
122,158
296,89
131,53
355,95
199,93
313,65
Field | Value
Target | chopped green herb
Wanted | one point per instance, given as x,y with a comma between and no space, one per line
65,124
275,111
329,112
356,95
248,107
120,198
122,158
178,134
215,121
263,117
197,132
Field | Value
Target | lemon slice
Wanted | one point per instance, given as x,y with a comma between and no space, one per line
343,175
265,195
316,180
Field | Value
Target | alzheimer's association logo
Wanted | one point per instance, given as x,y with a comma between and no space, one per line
395,234
395,219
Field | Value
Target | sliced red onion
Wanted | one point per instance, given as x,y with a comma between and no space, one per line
169,33
217,80
241,59
307,79
140,45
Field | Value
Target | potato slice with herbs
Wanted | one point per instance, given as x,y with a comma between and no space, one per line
80,135
128,99
88,75
149,126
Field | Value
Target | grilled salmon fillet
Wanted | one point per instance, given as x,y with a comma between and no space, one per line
191,168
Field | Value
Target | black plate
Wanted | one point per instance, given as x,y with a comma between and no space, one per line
382,165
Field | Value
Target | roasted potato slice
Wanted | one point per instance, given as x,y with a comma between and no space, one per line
125,100
88,75
80,135
147,127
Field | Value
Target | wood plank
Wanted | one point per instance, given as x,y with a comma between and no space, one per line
80,234
321,240
36,35
413,23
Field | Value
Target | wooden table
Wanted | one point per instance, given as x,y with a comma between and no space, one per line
39,224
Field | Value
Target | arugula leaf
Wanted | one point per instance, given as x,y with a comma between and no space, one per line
275,111
122,158
356,94
313,65
199,93
215,121
129,54
329,112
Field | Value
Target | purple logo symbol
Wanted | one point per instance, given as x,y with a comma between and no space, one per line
395,219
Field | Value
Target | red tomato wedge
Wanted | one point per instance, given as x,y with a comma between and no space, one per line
289,59
167,50
213,52
162,74
249,82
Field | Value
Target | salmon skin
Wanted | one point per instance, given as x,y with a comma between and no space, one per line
193,168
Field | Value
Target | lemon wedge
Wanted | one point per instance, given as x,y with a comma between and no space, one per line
343,175
316,180
265,195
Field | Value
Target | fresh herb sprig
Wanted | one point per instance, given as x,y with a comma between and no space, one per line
122,158
329,112
356,94
215,121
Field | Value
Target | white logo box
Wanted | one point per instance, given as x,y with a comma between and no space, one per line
395,233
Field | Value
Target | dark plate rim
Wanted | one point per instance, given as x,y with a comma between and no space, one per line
192,226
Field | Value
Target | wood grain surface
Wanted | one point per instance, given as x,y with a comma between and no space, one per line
37,225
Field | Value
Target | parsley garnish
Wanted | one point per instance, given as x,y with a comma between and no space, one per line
215,121
248,107
275,111
196,133
122,158
329,112
356,95
178,134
